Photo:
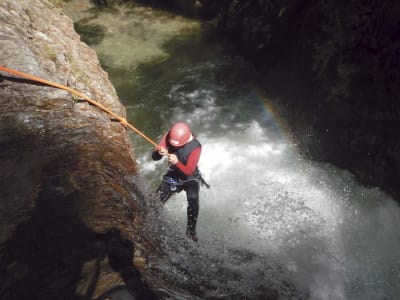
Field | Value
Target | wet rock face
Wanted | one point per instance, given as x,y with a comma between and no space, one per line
335,67
71,211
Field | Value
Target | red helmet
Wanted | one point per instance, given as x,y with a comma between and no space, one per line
179,134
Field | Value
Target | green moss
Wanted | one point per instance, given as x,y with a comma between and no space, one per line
74,66
76,70
50,52
75,98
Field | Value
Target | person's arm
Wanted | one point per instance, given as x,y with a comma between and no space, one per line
191,163
161,151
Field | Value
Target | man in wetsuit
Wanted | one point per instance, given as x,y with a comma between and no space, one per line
183,151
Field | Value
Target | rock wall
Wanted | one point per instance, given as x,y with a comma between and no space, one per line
71,209
335,67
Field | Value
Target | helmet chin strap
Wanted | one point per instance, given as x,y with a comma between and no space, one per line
174,142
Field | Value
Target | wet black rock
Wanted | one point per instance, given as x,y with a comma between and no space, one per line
334,65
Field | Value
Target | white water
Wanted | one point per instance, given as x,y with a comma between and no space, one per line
271,218
337,239
309,222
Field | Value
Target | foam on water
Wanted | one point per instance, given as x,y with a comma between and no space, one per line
335,238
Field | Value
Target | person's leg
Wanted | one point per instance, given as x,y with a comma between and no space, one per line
192,193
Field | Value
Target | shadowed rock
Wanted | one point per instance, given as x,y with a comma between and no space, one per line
71,210
335,68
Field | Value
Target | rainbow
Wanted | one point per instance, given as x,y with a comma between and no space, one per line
271,114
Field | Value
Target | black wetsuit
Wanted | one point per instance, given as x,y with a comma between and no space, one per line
189,183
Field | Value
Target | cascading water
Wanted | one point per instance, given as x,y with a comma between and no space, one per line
273,225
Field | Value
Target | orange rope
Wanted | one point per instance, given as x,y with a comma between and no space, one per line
122,120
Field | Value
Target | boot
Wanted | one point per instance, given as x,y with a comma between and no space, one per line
192,235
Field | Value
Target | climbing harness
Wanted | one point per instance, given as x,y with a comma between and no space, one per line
122,120
174,185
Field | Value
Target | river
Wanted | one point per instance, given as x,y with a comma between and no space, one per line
273,225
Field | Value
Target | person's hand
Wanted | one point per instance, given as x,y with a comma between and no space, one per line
162,151
172,159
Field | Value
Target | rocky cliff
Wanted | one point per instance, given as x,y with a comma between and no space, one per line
71,209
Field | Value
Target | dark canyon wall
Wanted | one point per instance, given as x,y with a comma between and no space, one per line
71,211
335,64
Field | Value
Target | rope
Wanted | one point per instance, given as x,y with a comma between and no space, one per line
122,120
